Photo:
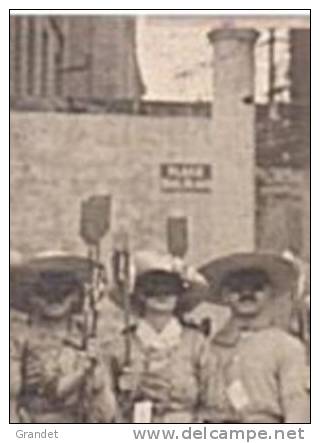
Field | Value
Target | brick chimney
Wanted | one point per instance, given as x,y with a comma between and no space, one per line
233,139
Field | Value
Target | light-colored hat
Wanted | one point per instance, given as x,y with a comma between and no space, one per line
280,272
49,274
150,261
64,262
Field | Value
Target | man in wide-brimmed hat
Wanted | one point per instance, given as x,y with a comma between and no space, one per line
261,367
167,376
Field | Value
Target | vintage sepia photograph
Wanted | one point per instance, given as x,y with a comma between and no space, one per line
159,217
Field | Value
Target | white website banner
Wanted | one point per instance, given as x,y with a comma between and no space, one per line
179,432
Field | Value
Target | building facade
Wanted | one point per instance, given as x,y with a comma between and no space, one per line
58,60
238,175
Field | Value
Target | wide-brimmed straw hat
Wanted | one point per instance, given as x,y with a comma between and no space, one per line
279,271
61,262
50,273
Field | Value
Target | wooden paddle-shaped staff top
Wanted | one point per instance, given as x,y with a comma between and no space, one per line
95,218
177,236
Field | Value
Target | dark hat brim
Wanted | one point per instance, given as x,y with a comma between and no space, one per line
45,272
281,273
158,282
80,267
189,294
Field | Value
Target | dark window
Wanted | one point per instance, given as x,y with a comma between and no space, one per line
31,55
44,62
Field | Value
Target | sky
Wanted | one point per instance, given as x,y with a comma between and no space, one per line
176,58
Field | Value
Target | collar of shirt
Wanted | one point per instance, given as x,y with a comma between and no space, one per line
233,331
168,338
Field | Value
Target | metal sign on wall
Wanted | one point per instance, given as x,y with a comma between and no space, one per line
185,177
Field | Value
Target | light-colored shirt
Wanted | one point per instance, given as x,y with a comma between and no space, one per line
262,376
54,359
178,361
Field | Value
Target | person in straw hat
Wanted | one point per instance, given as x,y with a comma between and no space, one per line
261,367
168,375
54,370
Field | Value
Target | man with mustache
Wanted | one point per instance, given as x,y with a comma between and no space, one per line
262,368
